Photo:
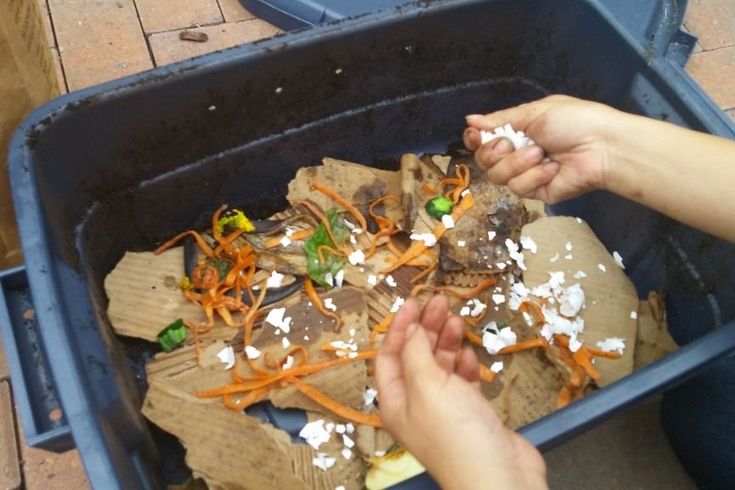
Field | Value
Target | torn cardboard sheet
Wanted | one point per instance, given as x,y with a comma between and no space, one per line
359,184
568,245
236,451
654,340
145,297
312,330
180,369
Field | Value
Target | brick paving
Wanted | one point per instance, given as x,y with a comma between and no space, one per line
98,40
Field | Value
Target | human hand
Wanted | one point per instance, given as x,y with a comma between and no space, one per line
430,402
576,136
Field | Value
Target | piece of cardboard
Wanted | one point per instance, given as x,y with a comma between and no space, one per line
359,184
181,370
233,450
653,341
307,321
145,297
610,296
27,79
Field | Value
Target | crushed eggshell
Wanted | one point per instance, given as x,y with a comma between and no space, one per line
497,366
491,235
517,138
369,396
397,304
448,221
329,304
323,462
276,318
495,341
429,239
390,281
227,356
275,280
618,259
315,434
612,344
357,257
252,352
528,244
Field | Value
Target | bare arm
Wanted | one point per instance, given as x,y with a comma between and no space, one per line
682,173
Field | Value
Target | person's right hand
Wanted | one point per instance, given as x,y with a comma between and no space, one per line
574,134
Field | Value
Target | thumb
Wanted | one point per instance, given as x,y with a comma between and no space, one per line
417,357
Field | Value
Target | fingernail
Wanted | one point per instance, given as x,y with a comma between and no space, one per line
534,153
503,146
411,329
472,116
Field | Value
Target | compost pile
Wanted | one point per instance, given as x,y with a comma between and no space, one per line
291,311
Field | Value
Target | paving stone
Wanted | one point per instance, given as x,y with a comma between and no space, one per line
166,15
44,470
715,72
627,451
99,40
712,21
234,11
167,47
10,476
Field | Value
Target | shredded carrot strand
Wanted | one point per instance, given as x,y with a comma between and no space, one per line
330,193
530,305
421,275
317,302
203,246
486,374
295,236
525,345
472,293
320,216
251,383
472,337
215,220
334,406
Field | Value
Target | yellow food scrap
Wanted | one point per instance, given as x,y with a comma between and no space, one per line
235,219
391,469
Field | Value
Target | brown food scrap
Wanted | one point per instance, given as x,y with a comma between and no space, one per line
497,210
195,36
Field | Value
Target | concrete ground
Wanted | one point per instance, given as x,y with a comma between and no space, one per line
98,40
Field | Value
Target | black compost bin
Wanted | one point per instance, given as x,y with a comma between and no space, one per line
128,163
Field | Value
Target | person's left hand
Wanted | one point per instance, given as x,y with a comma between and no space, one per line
430,402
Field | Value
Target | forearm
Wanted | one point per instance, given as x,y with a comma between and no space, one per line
684,174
